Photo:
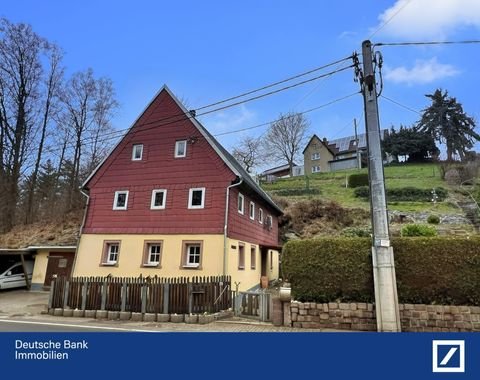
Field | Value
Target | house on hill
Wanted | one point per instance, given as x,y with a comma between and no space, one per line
283,171
170,201
321,155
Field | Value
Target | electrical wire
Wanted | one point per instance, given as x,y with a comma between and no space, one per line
427,43
401,105
390,19
274,121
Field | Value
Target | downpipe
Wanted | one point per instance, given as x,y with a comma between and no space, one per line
225,226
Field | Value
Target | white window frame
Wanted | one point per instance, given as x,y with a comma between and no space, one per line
260,216
251,210
152,202
150,253
190,198
134,150
115,200
109,252
314,169
241,201
187,263
269,222
177,144
241,256
315,156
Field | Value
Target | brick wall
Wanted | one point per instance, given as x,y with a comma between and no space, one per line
361,316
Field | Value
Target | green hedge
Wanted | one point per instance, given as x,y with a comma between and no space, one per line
439,270
357,180
406,194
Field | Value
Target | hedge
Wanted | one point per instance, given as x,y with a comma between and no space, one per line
412,194
357,180
296,192
418,230
438,270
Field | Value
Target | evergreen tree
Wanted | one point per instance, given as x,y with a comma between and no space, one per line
417,145
447,123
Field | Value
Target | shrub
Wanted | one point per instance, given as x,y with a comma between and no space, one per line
357,180
418,230
361,192
356,232
441,270
433,219
406,194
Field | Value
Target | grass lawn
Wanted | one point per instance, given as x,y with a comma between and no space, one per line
332,186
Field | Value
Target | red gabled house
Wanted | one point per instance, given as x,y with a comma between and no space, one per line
170,201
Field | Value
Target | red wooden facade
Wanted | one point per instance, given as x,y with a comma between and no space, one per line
159,127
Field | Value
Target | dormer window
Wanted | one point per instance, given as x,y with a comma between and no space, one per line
180,148
137,152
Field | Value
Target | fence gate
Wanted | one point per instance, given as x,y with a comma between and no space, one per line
256,305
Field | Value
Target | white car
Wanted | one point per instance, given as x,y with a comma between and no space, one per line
13,276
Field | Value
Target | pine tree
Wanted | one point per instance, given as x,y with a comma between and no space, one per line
447,123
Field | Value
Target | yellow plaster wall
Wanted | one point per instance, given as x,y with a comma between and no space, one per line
130,259
40,268
249,277
90,250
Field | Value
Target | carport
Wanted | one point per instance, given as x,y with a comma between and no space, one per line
15,255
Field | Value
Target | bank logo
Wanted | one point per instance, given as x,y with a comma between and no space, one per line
448,356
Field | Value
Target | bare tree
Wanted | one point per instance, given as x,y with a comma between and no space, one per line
51,86
248,152
286,137
89,104
20,75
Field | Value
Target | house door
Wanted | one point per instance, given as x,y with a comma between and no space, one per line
59,265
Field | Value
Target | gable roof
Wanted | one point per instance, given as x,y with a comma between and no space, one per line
330,147
226,157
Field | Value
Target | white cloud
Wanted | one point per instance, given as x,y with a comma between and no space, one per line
424,71
420,19
229,120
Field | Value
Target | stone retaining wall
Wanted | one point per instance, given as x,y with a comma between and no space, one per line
361,316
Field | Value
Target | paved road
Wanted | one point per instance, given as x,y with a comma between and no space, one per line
16,325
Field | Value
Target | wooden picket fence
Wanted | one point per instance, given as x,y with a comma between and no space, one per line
183,295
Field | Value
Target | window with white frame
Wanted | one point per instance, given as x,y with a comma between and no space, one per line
137,152
120,200
192,254
260,216
315,156
196,198
252,210
152,254
180,148
241,203
315,169
159,199
111,251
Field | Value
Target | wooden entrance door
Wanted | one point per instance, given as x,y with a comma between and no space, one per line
60,265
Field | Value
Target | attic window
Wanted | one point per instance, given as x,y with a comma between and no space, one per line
252,210
180,148
241,203
316,156
137,152
121,200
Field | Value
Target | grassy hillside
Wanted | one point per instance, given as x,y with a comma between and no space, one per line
332,186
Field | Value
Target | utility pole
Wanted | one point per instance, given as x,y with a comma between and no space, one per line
386,299
359,159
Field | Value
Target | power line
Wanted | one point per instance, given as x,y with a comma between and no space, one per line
301,113
427,43
274,84
390,19
401,105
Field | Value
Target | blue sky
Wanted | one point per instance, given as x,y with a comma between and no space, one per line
211,50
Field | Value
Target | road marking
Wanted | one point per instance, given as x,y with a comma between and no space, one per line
73,325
